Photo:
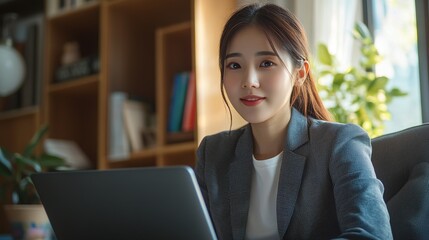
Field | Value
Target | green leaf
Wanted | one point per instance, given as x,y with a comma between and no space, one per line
377,84
50,161
24,161
324,56
34,141
5,165
396,92
338,81
361,32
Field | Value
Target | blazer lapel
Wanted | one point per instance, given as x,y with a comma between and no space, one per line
240,178
291,170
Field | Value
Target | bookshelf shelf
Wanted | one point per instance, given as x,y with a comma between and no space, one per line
17,113
76,84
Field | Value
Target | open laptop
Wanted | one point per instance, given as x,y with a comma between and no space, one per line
139,203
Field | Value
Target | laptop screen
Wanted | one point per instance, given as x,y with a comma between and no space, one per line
138,203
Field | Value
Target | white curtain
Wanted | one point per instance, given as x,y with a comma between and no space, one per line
326,21
333,24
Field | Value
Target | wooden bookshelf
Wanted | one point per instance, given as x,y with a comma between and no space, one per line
141,46
128,36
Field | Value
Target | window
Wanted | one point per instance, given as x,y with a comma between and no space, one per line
394,26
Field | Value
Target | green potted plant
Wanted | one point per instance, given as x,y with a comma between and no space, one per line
24,211
356,95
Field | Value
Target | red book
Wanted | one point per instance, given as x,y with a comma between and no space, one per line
188,122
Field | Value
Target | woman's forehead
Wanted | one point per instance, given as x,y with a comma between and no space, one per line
249,39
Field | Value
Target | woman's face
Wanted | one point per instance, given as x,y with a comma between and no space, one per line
257,83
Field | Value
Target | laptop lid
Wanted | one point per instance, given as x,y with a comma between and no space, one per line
138,203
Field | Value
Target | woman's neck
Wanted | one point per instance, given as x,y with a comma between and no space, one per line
269,136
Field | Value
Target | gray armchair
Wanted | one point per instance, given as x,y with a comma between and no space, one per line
401,162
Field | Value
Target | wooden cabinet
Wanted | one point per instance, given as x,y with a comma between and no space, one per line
141,46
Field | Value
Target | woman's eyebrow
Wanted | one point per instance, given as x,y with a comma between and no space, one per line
261,53
230,55
265,53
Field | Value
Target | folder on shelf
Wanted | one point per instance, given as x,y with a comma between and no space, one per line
177,102
188,123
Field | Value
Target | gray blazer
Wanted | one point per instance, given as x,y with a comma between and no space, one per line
327,186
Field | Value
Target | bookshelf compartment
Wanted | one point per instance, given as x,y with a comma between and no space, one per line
73,116
174,56
131,44
80,26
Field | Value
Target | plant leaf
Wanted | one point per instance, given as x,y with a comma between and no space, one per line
324,56
378,83
5,165
338,81
361,32
34,141
24,161
396,92
50,161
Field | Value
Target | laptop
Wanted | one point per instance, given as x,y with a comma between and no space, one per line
138,203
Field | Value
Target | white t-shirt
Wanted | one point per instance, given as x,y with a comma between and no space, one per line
262,218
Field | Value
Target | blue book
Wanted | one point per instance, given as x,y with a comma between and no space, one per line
177,102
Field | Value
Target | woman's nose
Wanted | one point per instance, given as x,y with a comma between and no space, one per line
251,80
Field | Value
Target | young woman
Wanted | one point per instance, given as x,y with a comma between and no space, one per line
289,173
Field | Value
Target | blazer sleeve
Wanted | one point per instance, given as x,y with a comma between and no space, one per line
361,210
200,171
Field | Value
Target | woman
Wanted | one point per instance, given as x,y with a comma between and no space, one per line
289,173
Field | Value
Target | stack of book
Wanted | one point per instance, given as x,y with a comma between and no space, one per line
131,126
182,110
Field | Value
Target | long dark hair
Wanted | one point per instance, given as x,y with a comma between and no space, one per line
282,29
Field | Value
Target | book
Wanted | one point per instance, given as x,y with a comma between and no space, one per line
177,102
119,147
135,123
188,122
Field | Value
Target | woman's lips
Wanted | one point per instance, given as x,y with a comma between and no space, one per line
251,100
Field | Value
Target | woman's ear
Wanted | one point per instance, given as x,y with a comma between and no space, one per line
302,73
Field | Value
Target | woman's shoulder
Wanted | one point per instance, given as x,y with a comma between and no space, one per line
229,136
335,129
220,146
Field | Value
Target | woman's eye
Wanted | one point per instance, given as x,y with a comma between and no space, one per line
233,65
267,64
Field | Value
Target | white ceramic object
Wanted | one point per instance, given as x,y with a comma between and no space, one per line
12,70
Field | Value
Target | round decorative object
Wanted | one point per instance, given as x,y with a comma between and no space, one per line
12,70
